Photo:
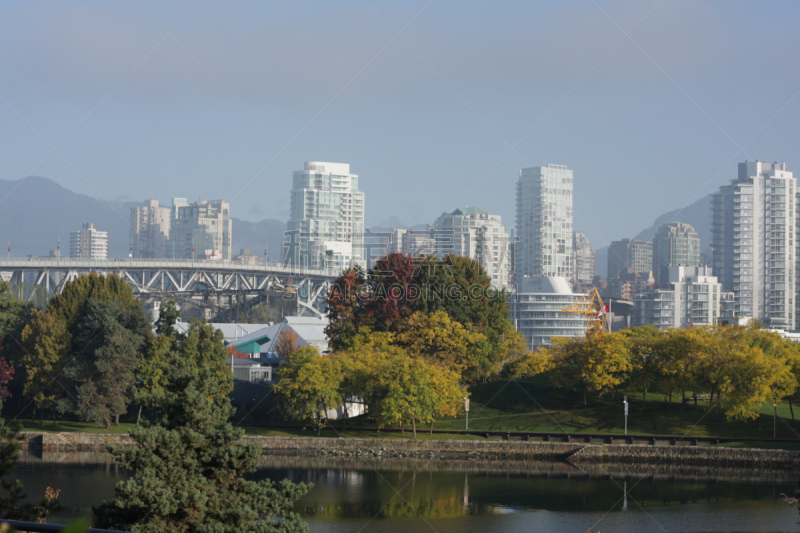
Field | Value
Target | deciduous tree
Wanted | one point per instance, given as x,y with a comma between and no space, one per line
596,364
287,342
309,386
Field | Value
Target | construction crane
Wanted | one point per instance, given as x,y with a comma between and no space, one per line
591,306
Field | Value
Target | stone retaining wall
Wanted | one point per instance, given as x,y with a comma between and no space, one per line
464,450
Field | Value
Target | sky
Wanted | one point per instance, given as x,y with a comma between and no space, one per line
434,104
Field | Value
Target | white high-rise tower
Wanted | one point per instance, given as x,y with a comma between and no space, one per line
753,242
544,222
326,224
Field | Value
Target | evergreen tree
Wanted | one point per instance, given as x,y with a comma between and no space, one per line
112,336
168,316
189,460
14,315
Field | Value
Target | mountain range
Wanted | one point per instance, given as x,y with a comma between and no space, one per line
697,215
36,211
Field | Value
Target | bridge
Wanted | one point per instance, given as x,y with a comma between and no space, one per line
206,284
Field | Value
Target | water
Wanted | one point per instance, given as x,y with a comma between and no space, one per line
447,497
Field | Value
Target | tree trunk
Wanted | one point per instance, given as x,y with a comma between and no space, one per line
108,423
791,410
683,400
402,427
644,395
139,416
431,427
584,396
344,413
116,420
414,426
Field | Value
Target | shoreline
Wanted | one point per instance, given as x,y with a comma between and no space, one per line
462,450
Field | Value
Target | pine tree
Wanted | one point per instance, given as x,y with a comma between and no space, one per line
189,460
105,368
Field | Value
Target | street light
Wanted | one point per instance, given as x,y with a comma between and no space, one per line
625,405
466,408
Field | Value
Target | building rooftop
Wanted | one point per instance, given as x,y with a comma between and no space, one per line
543,285
469,211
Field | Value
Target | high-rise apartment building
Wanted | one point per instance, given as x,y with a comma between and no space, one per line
326,224
88,243
544,222
629,254
674,244
477,234
753,242
150,230
200,230
583,262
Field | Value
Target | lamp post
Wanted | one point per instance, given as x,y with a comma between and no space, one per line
774,420
625,406
466,408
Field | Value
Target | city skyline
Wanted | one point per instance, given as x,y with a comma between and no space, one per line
649,97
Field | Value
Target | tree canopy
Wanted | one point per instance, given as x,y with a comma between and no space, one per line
189,459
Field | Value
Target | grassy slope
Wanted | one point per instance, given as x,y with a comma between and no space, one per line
537,406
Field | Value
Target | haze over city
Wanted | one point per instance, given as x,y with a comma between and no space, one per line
651,104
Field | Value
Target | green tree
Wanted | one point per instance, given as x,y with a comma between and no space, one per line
14,315
112,336
189,461
168,315
309,386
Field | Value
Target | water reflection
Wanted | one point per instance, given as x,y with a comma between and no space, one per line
393,492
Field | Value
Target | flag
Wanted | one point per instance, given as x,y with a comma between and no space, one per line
603,310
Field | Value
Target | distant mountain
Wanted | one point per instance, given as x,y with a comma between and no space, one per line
697,215
35,211
254,235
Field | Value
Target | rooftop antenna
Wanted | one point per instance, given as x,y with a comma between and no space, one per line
266,252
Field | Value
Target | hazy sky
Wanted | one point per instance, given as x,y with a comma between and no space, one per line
648,122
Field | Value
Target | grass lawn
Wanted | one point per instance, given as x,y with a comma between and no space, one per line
74,426
534,405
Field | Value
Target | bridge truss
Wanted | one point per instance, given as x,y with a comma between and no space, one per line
206,284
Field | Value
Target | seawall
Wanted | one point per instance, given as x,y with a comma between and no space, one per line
643,454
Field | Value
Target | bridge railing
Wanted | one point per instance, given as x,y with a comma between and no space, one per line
189,264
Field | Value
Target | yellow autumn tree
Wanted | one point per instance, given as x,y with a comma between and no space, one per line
46,342
411,388
439,339
596,364
309,386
